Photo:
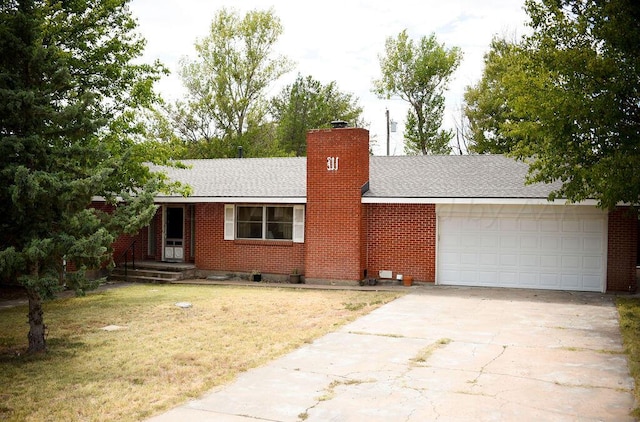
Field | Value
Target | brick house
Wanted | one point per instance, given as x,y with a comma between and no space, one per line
340,215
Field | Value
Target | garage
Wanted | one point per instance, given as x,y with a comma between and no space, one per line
522,246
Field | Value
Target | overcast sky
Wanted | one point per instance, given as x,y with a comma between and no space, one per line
340,41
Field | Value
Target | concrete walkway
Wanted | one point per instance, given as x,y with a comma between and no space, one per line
448,354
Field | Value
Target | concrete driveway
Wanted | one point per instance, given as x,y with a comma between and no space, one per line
444,354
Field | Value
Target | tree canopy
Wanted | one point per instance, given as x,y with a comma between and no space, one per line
69,91
308,104
486,104
419,74
226,84
570,93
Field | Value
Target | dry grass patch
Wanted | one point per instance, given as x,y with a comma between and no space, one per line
629,311
424,354
165,354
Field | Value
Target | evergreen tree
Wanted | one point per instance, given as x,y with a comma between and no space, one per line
68,99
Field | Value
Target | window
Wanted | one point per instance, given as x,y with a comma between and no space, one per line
263,222
266,222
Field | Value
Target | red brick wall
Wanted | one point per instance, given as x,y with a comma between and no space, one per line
335,220
622,250
402,238
124,241
214,253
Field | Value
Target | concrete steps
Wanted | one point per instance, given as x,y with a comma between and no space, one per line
153,272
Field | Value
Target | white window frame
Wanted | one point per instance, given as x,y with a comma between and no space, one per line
230,229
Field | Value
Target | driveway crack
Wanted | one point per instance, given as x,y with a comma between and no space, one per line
482,369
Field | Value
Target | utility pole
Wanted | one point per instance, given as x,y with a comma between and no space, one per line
388,137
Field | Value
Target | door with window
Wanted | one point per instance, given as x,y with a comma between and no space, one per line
173,234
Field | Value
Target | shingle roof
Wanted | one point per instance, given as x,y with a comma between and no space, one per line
443,176
245,177
452,176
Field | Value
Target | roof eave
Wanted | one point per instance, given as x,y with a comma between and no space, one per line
471,200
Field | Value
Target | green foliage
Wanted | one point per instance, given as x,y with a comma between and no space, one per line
486,104
308,104
419,74
69,96
572,95
629,311
226,84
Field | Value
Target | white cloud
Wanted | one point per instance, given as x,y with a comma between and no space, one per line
340,40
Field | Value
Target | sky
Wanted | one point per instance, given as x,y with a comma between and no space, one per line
340,41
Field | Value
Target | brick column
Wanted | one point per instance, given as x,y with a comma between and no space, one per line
622,250
335,231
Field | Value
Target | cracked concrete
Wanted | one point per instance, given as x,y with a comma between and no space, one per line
509,355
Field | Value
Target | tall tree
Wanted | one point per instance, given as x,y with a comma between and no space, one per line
68,96
486,104
419,74
573,94
308,104
226,83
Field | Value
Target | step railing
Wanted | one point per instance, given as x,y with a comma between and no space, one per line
125,254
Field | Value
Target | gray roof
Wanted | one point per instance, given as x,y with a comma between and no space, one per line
452,176
431,176
243,177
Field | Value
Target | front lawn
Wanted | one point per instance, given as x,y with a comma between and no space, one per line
162,354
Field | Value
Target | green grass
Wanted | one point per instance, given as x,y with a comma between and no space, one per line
164,355
629,310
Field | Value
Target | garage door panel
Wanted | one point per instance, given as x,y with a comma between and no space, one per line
593,226
571,262
529,226
549,281
571,244
592,244
571,226
591,282
508,260
549,243
529,242
469,258
592,263
551,249
549,261
487,278
489,259
509,242
529,260
569,281
549,226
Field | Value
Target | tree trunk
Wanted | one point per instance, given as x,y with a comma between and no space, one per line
37,328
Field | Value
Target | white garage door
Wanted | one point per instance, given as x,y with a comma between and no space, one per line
538,247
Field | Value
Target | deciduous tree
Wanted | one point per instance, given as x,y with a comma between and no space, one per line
572,90
308,104
419,74
226,83
486,104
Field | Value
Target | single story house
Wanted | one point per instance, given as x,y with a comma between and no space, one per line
340,215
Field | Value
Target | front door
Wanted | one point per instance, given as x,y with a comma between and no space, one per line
174,234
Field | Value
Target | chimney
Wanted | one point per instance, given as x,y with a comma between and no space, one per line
339,124
337,174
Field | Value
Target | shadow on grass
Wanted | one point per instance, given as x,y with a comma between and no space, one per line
56,348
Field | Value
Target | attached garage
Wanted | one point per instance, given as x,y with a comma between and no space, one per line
522,246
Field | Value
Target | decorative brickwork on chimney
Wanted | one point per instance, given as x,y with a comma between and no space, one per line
335,233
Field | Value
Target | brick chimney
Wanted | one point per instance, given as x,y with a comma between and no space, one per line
337,176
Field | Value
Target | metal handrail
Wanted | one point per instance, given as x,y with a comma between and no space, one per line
125,254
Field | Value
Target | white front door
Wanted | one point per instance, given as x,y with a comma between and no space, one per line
539,247
173,233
